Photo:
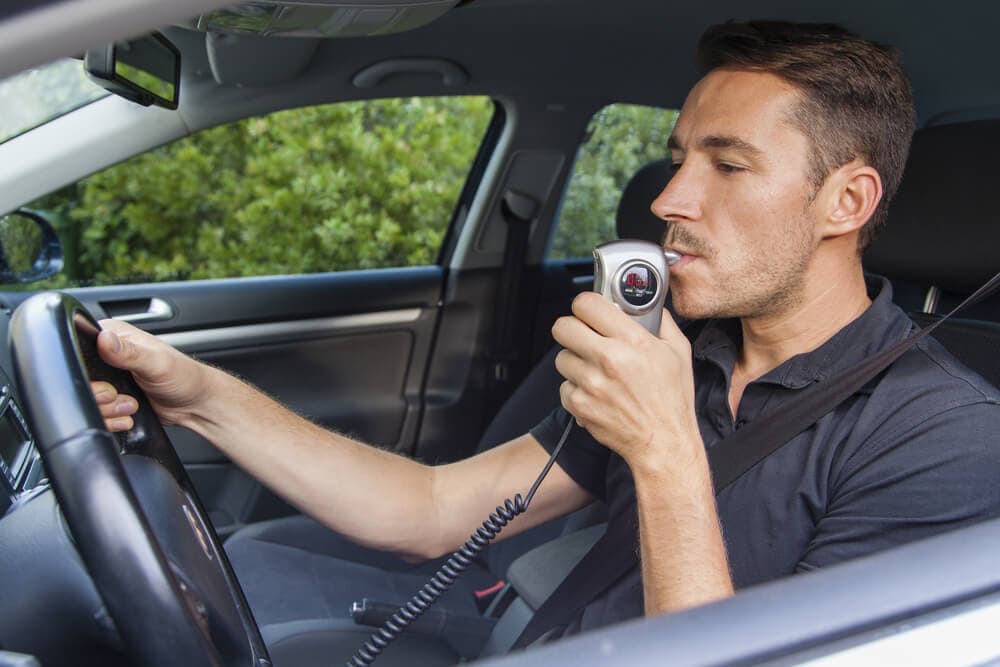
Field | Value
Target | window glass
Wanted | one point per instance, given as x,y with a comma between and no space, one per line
41,94
621,139
327,188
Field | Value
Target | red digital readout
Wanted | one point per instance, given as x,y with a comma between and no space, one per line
637,280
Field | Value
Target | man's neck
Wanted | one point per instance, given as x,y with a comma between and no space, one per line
826,307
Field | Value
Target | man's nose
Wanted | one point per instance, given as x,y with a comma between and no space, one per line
680,197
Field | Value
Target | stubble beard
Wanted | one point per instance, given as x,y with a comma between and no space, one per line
762,283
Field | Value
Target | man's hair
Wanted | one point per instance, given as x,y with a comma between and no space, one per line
856,101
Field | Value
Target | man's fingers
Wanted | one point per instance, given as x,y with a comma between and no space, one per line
122,406
119,424
571,366
574,334
116,409
104,392
603,316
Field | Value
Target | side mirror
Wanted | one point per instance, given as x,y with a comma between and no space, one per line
145,70
29,248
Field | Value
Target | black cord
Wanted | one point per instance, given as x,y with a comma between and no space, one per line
453,567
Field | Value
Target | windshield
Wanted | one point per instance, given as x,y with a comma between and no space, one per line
41,94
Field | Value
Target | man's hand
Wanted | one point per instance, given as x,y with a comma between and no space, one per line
627,387
173,382
634,392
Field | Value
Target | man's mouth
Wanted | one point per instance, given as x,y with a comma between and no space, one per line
685,257
679,240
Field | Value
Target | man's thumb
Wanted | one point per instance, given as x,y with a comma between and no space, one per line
112,349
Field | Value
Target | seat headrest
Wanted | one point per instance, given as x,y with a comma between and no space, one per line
943,227
634,220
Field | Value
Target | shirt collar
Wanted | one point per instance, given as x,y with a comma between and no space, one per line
881,325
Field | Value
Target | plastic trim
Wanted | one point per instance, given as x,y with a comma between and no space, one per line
257,334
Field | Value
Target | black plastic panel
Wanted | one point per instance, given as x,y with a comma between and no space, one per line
213,303
50,606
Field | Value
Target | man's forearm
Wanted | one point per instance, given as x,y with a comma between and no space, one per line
683,555
322,473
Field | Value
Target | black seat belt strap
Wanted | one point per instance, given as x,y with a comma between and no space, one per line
614,554
518,211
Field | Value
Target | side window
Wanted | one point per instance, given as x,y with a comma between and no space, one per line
342,186
621,138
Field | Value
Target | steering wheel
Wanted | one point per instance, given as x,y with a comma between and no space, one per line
131,509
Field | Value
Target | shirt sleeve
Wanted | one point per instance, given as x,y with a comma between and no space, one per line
582,458
939,475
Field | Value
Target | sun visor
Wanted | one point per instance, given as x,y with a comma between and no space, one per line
248,60
323,18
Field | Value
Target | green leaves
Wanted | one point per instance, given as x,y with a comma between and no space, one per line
623,137
343,186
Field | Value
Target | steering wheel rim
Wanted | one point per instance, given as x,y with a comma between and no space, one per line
132,511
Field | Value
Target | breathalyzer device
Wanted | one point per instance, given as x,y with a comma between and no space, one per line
633,275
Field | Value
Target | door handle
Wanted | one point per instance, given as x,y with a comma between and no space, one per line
156,310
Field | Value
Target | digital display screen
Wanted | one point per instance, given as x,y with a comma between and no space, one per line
638,285
13,442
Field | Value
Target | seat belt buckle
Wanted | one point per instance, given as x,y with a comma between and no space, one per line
485,596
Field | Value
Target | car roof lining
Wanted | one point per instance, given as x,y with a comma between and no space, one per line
574,49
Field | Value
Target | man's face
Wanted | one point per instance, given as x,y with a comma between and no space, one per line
739,206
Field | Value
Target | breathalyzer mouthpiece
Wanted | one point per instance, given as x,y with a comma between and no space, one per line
672,257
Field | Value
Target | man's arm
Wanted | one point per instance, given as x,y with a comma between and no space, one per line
375,497
634,392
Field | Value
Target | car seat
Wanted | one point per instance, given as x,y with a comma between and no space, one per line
939,244
300,577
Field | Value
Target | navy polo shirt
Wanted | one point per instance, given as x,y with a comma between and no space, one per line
913,453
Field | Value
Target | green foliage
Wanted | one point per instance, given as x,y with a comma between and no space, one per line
20,242
40,94
327,188
623,137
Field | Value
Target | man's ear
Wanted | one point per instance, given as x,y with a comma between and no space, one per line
855,190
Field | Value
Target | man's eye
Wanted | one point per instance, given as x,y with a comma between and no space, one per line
727,168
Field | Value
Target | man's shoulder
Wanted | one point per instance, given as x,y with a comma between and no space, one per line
929,373
926,429
929,395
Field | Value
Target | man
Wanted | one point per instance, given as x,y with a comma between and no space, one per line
785,156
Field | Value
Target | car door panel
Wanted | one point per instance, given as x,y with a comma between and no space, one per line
347,350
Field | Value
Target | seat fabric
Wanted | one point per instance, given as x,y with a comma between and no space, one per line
303,570
332,641
941,236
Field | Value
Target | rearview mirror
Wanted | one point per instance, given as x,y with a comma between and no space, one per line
29,248
145,70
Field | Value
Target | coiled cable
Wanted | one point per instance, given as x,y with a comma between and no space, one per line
453,567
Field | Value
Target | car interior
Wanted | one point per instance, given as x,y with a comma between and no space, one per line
158,550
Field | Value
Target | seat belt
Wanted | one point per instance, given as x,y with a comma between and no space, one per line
614,554
518,211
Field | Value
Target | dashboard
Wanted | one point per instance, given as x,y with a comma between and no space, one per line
20,465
